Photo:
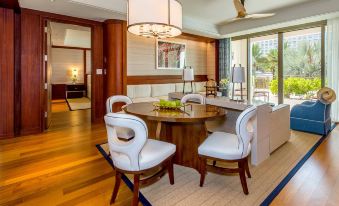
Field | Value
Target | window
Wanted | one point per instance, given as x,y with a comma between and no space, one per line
239,51
264,67
286,65
302,65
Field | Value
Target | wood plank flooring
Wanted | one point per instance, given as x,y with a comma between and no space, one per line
58,167
317,182
63,167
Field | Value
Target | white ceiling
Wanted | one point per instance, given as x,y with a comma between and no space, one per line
219,11
70,35
202,17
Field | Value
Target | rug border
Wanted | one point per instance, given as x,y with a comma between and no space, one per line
268,200
70,108
129,184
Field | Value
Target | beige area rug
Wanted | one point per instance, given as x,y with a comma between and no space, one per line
79,103
226,189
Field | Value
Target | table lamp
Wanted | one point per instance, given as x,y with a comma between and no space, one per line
238,76
74,75
188,76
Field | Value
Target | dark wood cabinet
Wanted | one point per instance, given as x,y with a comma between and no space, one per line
75,91
58,91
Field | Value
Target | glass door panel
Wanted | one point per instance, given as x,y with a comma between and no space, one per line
302,65
264,69
239,58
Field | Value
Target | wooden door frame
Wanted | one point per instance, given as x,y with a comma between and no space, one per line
45,17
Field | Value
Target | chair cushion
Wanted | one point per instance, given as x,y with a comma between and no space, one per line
152,154
145,99
138,91
199,87
223,146
162,97
179,87
162,89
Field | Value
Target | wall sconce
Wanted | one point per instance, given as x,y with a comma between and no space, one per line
75,74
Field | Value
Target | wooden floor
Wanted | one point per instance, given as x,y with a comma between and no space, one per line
317,182
58,167
63,167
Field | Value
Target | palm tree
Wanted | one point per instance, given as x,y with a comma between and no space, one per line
272,61
257,56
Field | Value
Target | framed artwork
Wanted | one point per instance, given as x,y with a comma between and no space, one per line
170,55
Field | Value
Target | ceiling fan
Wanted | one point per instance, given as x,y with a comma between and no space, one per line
242,14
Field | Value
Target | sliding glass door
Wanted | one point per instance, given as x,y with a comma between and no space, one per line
302,65
264,69
239,59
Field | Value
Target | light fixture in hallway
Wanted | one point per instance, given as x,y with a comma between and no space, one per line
155,18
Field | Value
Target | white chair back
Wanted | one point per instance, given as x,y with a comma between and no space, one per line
244,135
194,97
114,99
132,148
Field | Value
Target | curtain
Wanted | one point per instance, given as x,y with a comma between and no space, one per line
224,58
332,63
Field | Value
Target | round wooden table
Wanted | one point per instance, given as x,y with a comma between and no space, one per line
185,128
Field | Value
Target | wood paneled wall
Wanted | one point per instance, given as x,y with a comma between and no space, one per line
31,74
116,56
98,101
32,91
6,73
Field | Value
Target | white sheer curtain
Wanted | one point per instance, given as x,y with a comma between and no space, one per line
332,63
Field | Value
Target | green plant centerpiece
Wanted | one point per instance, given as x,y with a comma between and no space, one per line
168,105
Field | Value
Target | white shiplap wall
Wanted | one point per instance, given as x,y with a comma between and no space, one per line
62,62
141,56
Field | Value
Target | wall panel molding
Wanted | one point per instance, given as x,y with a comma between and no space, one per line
161,79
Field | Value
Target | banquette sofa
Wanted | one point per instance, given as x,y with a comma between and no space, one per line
155,92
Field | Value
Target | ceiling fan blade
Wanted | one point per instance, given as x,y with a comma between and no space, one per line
239,6
258,16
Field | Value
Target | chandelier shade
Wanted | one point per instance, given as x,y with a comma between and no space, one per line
155,18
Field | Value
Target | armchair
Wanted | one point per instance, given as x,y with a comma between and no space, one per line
311,117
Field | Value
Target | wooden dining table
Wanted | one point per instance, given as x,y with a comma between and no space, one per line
185,128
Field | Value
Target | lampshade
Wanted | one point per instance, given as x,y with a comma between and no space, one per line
155,18
188,74
238,75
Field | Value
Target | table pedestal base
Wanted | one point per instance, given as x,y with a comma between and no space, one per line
186,136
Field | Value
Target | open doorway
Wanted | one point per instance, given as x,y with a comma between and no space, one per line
68,75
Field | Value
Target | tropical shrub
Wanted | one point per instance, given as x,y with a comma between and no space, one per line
297,86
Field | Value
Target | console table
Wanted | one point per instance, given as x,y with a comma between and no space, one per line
75,91
224,102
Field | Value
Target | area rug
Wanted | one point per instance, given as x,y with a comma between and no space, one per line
79,103
226,189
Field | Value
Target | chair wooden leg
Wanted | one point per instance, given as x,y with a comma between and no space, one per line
241,165
202,171
170,171
247,169
116,186
136,190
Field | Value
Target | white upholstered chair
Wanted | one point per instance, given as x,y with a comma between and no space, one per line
122,132
226,147
138,155
194,98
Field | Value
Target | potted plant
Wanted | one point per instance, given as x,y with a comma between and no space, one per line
224,86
